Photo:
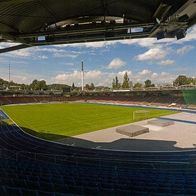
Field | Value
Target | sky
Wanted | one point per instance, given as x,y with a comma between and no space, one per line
160,61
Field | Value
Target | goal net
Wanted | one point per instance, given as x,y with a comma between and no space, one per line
140,115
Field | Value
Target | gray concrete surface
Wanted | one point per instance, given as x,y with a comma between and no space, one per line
179,136
160,122
132,130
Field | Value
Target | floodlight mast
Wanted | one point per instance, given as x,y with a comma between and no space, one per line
9,72
82,72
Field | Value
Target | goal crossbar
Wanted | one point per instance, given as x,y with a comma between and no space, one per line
143,113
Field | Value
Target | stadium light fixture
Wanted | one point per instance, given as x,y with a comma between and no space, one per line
137,30
41,38
180,34
161,35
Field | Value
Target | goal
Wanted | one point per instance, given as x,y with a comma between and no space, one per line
140,115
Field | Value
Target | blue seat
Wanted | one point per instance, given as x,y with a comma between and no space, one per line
63,170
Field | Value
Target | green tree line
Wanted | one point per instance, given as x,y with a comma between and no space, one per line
127,84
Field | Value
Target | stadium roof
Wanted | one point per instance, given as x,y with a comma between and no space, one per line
45,22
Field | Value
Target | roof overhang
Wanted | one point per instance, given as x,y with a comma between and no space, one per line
47,22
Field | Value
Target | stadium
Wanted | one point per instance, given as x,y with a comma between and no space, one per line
80,140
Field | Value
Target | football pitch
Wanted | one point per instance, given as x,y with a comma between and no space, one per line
57,121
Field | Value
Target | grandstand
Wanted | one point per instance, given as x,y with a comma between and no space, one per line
185,98
31,166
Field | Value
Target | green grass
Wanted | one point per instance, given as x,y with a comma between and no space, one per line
55,121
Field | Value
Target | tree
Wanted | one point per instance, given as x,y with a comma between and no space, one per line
92,86
38,85
42,85
34,85
182,80
125,83
87,87
191,81
24,87
73,86
115,83
194,81
138,85
148,84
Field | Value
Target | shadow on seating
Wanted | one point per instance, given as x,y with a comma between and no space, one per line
120,144
47,136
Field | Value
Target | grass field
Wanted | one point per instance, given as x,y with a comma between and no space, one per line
55,121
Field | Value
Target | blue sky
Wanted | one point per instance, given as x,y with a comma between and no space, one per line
161,61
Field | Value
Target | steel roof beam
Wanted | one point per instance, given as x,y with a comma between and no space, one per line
75,31
18,47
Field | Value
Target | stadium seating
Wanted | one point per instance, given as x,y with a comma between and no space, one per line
163,98
32,166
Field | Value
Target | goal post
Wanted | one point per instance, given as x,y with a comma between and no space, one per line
140,115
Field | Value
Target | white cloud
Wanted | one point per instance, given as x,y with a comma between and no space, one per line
185,49
7,44
145,72
191,35
144,42
122,73
167,62
92,76
43,57
95,76
116,63
19,76
17,53
39,52
105,78
166,77
22,53
100,44
56,52
75,76
152,54
154,75
67,76
157,78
